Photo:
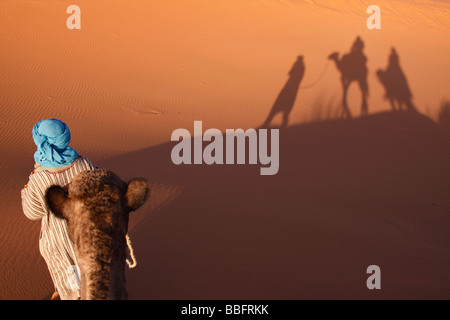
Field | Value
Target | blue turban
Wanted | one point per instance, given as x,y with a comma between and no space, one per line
52,139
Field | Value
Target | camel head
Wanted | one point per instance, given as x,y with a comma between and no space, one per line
96,207
334,56
380,74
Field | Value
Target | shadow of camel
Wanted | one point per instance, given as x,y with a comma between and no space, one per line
395,84
287,96
348,194
352,67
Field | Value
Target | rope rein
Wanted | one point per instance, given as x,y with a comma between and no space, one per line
133,263
320,77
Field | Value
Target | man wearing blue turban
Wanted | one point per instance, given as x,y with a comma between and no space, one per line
52,139
55,164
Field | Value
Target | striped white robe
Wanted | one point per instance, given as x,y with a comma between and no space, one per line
54,243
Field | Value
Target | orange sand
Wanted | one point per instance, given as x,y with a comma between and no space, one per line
349,193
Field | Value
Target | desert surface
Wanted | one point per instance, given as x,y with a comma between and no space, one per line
350,191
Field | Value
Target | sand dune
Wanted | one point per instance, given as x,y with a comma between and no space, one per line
348,195
137,70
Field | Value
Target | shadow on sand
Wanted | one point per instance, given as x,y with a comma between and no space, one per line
353,68
288,94
349,194
395,84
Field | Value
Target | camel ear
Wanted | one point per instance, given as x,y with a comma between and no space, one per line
57,201
137,193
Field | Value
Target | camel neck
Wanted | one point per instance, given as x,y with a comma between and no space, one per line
102,280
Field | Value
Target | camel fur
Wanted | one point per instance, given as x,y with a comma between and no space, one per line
96,206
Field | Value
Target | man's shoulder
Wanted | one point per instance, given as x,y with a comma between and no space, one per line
84,160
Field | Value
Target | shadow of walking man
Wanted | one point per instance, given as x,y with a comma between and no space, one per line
287,96
395,84
352,67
